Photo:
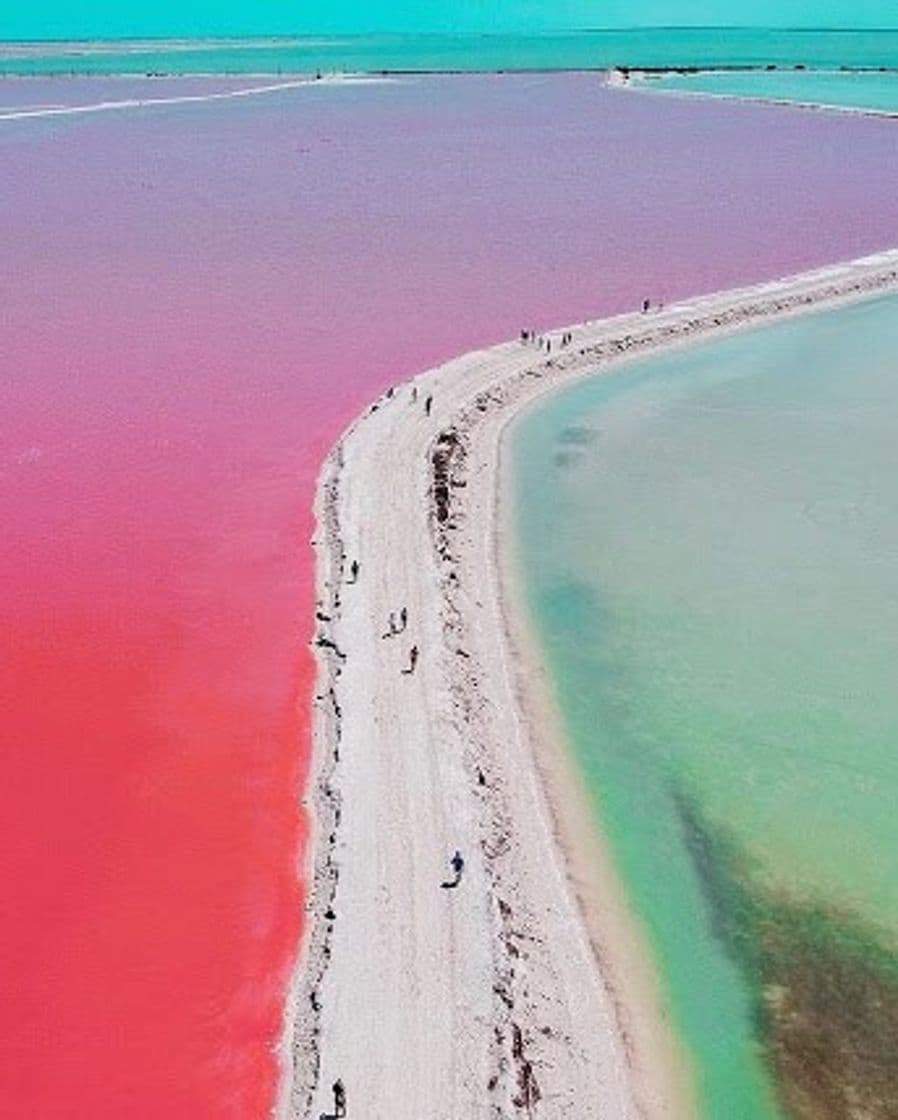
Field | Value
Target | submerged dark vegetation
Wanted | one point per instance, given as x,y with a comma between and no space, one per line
825,985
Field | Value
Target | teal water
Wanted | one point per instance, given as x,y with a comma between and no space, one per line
708,542
877,91
704,47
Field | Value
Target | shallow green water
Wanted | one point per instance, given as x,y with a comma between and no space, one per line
547,51
708,542
826,88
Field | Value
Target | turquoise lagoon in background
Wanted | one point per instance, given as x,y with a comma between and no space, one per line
877,92
708,547
573,50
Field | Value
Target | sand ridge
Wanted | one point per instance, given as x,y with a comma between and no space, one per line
504,996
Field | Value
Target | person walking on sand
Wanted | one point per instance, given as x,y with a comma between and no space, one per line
403,619
339,1098
339,1103
428,404
354,572
391,631
412,661
457,864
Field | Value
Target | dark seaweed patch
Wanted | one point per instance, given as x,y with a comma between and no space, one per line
825,984
578,435
565,459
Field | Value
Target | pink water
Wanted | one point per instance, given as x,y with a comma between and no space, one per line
195,300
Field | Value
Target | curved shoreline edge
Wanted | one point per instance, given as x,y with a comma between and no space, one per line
513,994
639,81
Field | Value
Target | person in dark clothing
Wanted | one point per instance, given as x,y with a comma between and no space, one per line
412,661
457,864
339,1103
339,1098
354,572
403,619
428,404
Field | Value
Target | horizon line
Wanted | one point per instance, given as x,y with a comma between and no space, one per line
288,36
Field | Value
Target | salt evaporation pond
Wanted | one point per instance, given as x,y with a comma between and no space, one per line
708,543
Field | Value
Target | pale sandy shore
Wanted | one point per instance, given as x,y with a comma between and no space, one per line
638,81
522,992
28,112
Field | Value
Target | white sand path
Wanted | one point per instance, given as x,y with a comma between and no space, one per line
510,995
32,111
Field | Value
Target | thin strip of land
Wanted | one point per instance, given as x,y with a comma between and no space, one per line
513,985
29,112
639,81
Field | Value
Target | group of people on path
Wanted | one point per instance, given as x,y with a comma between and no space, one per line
543,343
567,337
537,340
396,624
393,630
428,400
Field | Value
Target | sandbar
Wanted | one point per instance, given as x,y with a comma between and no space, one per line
523,990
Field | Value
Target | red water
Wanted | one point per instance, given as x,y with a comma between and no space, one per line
195,301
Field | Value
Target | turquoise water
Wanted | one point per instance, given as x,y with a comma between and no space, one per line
704,47
59,19
708,542
850,90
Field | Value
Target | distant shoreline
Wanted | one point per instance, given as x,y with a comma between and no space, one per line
656,50
633,72
639,80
